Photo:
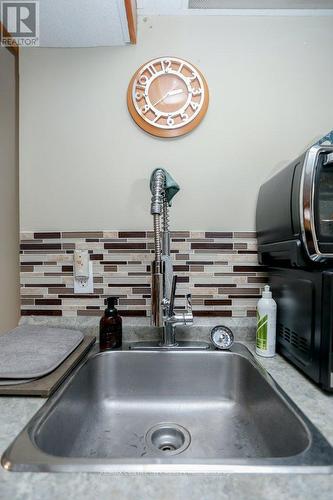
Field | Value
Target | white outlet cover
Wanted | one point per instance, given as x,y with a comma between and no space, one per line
85,286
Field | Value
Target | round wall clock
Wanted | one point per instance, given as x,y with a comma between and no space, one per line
167,97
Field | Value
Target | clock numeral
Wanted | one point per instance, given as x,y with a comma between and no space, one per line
170,121
166,65
138,96
195,91
184,116
194,105
152,70
145,109
191,78
157,117
180,68
143,80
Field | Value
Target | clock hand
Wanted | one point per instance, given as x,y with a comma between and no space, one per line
176,91
170,92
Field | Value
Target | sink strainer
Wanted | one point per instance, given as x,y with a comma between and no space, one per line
168,439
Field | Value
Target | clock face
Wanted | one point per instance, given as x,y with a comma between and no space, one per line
167,97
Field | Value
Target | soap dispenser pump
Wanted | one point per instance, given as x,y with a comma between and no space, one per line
110,327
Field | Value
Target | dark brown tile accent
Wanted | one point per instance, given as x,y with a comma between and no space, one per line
217,302
247,252
178,240
67,269
245,234
98,279
40,246
47,236
128,246
128,252
94,307
183,279
181,268
134,302
234,274
260,279
27,269
96,256
48,302
68,246
61,290
251,314
245,291
32,263
214,285
92,240
212,246
82,234
248,269
41,312
225,314
132,234
139,312
140,291
95,312
213,234
209,251
128,285
44,285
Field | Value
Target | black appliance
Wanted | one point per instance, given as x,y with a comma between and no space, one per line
295,240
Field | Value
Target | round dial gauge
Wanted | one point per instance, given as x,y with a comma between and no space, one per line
222,337
167,97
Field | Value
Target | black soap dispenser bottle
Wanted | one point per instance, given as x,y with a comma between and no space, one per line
110,327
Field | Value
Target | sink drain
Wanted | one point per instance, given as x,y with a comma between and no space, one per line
168,439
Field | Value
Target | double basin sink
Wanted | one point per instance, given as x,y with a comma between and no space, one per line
173,411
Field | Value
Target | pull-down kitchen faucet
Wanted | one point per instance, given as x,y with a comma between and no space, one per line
164,282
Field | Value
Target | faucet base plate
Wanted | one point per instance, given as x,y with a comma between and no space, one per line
180,346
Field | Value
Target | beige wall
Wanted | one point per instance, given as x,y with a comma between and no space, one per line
9,226
85,164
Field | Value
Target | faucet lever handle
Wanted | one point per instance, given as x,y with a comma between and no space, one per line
173,295
189,302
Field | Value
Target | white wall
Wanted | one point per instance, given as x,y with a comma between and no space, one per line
85,164
9,224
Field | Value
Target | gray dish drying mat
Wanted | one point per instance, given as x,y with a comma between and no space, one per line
30,352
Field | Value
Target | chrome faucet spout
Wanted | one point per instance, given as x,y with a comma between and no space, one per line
172,319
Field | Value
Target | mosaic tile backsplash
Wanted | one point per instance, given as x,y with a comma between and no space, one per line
220,269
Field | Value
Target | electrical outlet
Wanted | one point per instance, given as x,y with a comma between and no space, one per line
85,285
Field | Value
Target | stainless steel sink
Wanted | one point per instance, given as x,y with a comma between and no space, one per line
210,411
